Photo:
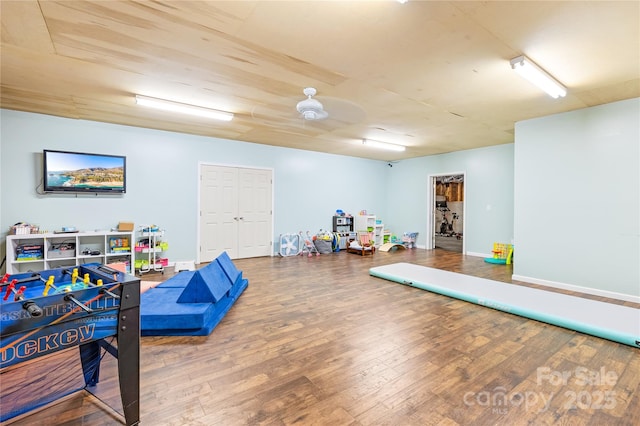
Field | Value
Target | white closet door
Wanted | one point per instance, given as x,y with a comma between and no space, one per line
235,213
218,212
254,209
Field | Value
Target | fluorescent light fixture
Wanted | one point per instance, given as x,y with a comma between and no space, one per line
529,70
383,145
183,108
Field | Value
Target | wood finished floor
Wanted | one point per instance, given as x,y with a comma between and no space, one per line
317,341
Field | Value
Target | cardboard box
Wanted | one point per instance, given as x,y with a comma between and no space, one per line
23,229
125,226
119,266
26,252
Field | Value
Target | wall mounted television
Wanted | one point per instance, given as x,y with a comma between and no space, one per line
66,171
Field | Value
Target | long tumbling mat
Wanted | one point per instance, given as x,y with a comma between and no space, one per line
613,322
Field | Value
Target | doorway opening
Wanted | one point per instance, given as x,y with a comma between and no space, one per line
447,207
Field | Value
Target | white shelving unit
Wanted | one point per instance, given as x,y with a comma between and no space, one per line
112,248
149,246
369,223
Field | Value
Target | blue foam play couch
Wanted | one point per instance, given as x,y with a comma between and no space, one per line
192,303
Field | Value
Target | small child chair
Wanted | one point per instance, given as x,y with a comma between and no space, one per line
362,245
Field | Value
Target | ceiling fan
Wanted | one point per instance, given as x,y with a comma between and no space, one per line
311,109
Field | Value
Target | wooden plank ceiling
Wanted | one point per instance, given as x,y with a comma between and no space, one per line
431,75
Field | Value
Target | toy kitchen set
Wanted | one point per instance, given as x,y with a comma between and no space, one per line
343,226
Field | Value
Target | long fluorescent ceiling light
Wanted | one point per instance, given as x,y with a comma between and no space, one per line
183,108
529,70
383,145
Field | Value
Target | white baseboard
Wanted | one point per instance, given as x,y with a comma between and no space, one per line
472,253
577,288
469,253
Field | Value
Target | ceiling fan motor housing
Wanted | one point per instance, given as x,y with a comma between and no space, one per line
310,109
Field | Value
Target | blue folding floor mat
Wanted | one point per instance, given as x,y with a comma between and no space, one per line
192,303
601,319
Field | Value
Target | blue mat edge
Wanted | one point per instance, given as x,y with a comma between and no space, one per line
604,333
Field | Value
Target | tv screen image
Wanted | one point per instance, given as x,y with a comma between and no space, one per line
66,171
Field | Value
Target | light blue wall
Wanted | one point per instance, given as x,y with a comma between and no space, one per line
488,190
162,179
567,191
577,190
308,186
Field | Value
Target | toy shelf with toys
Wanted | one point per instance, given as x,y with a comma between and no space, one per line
39,251
149,248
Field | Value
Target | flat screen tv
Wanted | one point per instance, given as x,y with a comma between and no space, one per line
66,171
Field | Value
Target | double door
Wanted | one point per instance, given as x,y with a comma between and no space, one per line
235,212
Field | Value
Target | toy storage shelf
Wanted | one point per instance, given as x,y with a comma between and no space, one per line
370,223
149,247
36,252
